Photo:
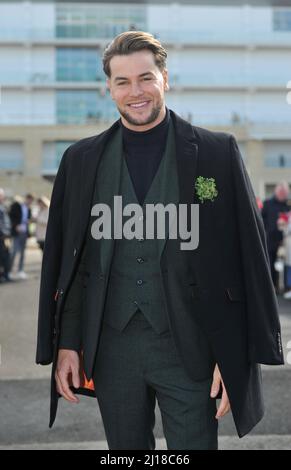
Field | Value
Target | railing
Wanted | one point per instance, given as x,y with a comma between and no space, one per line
231,80
237,79
268,124
194,37
227,37
32,34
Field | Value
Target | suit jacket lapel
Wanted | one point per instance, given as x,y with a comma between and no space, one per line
90,161
110,187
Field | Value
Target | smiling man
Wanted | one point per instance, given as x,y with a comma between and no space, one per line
135,321
139,97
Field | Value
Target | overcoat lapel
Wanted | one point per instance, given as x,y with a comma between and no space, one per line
187,148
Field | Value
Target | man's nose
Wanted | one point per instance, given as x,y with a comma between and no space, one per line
136,90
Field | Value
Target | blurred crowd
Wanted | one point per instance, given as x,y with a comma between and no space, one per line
23,218
276,213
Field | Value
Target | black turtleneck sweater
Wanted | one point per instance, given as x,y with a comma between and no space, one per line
143,152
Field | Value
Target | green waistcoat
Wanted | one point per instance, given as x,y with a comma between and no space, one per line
135,279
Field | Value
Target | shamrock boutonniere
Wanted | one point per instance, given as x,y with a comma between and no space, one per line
206,188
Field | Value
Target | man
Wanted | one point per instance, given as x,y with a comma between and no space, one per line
142,317
271,211
41,221
4,235
20,215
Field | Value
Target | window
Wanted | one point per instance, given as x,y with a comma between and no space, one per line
11,156
279,161
278,154
282,20
79,64
52,155
98,21
84,107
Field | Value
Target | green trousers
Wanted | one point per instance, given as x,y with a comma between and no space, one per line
136,367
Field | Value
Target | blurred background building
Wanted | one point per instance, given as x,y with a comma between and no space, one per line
229,66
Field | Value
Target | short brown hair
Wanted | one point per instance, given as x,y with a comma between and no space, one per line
133,41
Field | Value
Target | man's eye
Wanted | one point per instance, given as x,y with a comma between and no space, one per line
121,83
147,78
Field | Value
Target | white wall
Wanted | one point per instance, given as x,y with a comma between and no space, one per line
209,23
229,67
27,65
23,107
42,18
197,66
207,108
22,19
217,108
43,64
270,108
270,66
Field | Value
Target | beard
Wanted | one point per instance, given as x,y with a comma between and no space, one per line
137,122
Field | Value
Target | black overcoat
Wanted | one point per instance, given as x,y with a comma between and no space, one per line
228,284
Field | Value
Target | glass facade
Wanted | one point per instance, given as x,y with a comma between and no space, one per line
84,107
11,156
278,161
84,64
78,64
98,21
277,154
52,155
282,20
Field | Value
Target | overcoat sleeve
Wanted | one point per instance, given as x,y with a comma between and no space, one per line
264,333
50,268
71,319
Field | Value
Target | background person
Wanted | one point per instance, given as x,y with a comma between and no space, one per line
5,229
272,208
20,216
41,220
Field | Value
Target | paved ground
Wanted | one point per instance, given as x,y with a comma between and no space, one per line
24,388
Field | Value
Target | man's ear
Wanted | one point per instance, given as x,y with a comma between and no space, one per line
108,86
166,80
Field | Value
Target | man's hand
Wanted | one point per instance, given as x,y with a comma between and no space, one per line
68,373
224,406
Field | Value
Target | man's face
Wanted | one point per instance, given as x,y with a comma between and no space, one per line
29,201
282,193
138,87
